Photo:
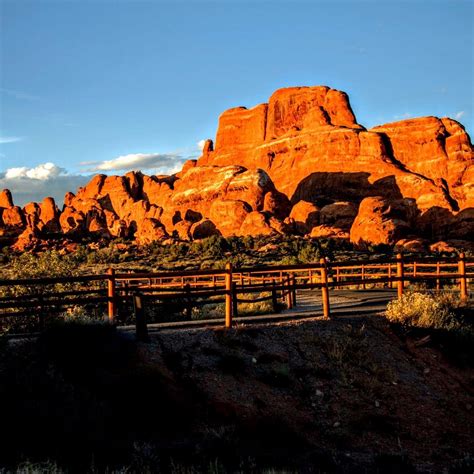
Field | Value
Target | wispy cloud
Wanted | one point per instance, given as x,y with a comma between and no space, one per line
201,144
5,139
459,115
164,162
19,94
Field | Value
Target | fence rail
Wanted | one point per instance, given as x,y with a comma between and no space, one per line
278,283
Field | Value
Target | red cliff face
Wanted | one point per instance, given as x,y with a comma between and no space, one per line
299,164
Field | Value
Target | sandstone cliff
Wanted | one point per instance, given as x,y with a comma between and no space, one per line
299,164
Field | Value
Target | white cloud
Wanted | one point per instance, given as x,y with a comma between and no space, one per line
42,172
4,139
48,179
34,184
201,144
162,163
459,115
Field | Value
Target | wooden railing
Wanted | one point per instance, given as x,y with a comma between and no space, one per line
41,297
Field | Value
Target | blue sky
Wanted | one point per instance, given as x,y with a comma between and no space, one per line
83,83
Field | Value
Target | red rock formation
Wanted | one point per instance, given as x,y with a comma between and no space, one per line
300,163
313,132
49,215
6,199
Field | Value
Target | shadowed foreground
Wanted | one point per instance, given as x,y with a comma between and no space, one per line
308,396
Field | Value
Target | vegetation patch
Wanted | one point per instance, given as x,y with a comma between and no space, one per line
439,320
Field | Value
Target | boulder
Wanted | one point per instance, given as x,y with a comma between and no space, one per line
203,229
228,215
412,245
442,247
380,221
305,216
256,223
338,214
276,203
182,230
329,232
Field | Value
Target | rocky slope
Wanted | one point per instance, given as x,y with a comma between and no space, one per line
299,164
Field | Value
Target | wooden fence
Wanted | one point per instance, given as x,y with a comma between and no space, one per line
279,284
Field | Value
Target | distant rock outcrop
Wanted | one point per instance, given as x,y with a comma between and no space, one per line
299,164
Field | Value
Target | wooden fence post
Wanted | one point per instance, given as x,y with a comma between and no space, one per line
462,276
140,318
363,277
235,310
400,274
274,297
325,289
293,289
289,299
390,283
438,271
112,304
228,295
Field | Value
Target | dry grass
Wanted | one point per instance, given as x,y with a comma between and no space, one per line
424,310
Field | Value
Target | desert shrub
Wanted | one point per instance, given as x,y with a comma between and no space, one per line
380,248
210,311
49,264
259,307
210,247
423,310
104,256
46,264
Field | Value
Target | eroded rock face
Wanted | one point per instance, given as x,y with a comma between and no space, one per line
228,215
299,164
149,231
314,150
